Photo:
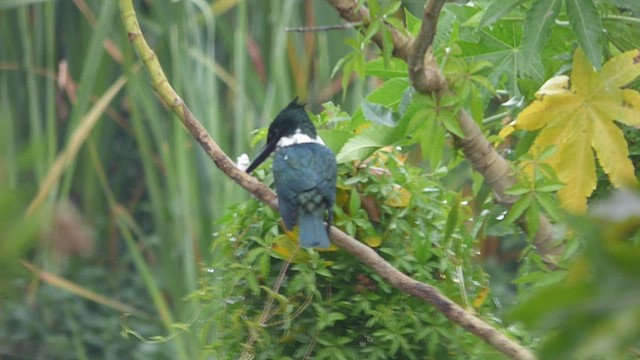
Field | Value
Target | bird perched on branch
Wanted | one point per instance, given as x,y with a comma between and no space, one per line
304,172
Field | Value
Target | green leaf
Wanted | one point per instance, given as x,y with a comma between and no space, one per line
549,205
549,185
533,219
433,137
518,208
537,26
347,70
540,278
387,44
452,220
496,10
392,8
390,93
585,22
379,114
373,29
518,189
500,45
335,139
394,68
450,122
354,202
413,23
364,144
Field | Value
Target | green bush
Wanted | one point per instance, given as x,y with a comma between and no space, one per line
330,304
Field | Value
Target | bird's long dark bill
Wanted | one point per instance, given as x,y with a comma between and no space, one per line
262,156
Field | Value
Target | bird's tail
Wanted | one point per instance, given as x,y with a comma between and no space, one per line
312,232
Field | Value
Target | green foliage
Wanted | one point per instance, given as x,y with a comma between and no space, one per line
330,306
142,186
78,328
151,198
593,308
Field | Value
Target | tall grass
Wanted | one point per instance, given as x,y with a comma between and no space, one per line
149,194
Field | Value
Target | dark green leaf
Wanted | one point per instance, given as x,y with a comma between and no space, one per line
537,26
585,22
496,10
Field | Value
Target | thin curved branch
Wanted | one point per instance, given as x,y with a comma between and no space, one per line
427,78
365,254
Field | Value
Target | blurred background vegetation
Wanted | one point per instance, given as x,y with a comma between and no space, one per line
125,214
133,200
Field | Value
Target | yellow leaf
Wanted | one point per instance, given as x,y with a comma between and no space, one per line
373,240
480,298
575,166
583,74
555,86
506,131
551,135
577,120
614,159
399,198
541,112
630,113
286,247
342,196
619,71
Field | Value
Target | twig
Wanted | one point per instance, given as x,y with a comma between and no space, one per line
365,254
349,25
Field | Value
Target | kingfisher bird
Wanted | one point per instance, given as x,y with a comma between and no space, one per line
304,173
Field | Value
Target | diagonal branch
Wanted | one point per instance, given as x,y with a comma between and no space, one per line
427,78
365,254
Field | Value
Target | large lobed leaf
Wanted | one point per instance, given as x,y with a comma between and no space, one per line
585,22
537,26
580,118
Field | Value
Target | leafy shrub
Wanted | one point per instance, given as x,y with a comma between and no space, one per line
329,305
